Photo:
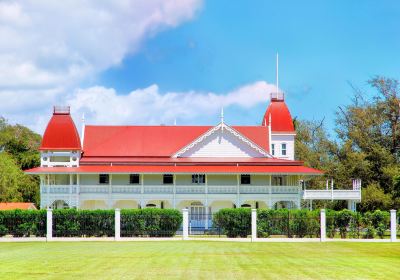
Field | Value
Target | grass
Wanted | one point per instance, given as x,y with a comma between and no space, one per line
199,260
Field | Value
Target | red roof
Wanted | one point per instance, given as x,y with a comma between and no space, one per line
61,134
153,141
188,160
17,205
281,120
162,169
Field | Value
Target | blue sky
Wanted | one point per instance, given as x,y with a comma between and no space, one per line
151,62
323,45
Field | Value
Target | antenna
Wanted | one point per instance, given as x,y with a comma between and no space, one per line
277,74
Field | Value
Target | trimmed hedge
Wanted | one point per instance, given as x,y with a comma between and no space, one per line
292,223
89,223
302,223
85,223
153,222
234,222
23,223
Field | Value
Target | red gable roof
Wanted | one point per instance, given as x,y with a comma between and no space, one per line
61,133
17,205
281,120
153,141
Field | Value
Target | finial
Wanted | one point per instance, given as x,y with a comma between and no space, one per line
222,115
83,117
175,122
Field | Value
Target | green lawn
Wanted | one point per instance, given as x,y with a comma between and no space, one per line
199,260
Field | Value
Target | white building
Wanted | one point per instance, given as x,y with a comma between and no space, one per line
204,168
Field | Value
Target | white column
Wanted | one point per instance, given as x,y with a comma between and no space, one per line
393,225
78,186
207,215
270,192
110,192
185,224
174,192
323,225
141,191
49,224
238,191
117,224
70,191
253,224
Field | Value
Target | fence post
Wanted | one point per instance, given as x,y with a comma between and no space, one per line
49,224
117,224
393,225
253,225
323,225
185,224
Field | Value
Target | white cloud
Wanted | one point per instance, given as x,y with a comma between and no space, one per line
45,43
48,47
148,106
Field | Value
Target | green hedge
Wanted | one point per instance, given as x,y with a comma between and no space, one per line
90,223
357,225
23,223
292,223
150,222
83,223
302,223
234,222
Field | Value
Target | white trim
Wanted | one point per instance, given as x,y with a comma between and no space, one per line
211,131
283,133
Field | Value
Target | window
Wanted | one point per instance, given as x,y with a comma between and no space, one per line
168,179
134,179
277,181
104,179
273,149
198,179
245,179
283,150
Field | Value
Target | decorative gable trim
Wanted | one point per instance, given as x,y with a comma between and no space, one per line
221,127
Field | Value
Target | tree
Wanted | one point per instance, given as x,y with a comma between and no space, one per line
15,185
18,151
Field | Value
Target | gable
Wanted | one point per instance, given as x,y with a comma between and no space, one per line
222,141
153,141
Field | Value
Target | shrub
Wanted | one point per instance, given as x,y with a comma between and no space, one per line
297,223
20,223
342,221
380,220
150,222
88,223
355,225
234,222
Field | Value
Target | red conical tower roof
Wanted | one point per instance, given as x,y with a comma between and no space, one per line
281,120
61,133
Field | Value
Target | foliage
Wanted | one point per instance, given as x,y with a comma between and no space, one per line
298,223
234,222
302,223
342,221
18,151
14,184
72,222
20,223
89,223
150,222
373,197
